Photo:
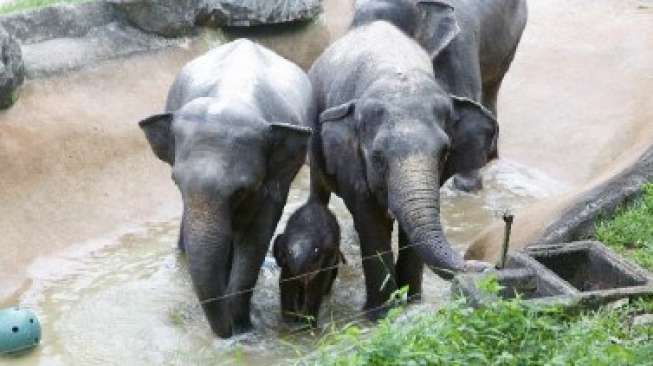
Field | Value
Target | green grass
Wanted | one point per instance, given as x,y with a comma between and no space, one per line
630,231
22,5
509,332
503,333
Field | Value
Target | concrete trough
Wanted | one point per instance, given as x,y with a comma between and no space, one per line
522,277
597,273
585,274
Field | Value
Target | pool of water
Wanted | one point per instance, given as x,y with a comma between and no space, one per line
127,299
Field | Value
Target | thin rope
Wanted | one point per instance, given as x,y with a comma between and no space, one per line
329,268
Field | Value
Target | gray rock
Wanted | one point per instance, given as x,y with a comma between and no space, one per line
643,320
173,18
169,18
108,42
65,20
256,12
12,70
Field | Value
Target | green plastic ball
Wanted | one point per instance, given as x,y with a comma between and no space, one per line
20,330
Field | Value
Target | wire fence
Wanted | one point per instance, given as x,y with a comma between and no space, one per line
378,255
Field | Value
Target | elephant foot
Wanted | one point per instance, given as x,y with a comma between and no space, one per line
241,327
414,298
375,313
471,182
222,331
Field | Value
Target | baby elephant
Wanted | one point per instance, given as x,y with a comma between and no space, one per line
308,253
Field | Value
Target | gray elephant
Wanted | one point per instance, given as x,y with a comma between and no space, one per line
471,44
387,137
233,134
308,253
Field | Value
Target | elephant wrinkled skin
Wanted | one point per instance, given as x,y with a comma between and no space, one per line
388,136
308,253
233,134
471,44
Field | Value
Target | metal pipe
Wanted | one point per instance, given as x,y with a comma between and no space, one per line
508,218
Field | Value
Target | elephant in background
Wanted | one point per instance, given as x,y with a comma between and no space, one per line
232,133
471,44
387,137
308,253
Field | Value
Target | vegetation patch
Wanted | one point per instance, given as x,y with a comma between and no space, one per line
22,5
507,332
630,232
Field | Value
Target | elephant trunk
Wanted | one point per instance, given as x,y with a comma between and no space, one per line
414,200
208,240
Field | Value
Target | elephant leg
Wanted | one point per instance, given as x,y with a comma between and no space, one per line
332,278
374,231
180,242
470,181
318,190
460,72
290,297
248,256
491,93
409,268
313,298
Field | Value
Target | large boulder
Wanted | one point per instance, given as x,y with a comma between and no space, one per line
169,18
256,12
61,20
12,69
174,18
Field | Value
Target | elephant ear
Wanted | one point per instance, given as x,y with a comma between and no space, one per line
474,132
340,146
338,137
338,113
158,131
278,250
288,146
438,26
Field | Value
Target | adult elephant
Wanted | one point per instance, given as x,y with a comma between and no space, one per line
387,137
471,44
233,135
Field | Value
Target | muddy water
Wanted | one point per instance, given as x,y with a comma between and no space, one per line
131,302
86,197
576,104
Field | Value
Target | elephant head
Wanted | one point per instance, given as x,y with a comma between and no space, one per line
404,137
227,162
436,30
431,22
401,13
437,26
